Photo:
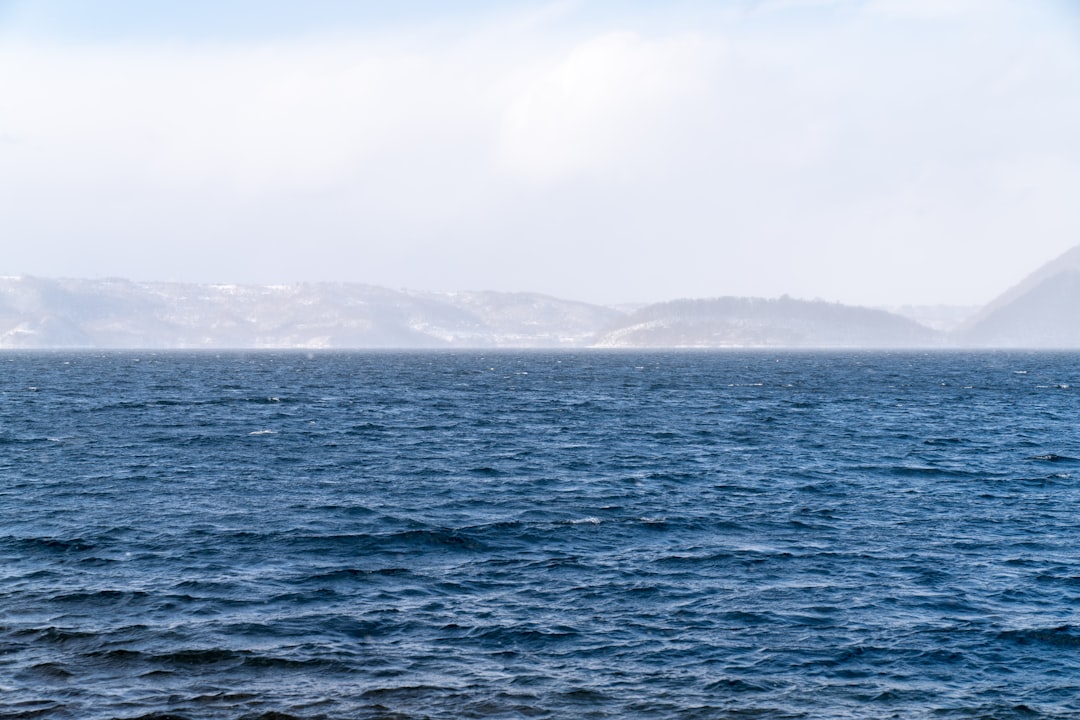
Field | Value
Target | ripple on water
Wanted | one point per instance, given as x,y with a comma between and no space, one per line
394,535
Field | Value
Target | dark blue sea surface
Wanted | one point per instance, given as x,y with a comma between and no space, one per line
539,535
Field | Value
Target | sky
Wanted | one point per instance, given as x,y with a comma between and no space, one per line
876,152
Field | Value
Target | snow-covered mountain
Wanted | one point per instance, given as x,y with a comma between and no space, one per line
38,313
45,313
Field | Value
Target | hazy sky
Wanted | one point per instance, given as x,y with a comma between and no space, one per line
864,151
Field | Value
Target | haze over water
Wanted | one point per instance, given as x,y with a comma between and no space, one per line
453,535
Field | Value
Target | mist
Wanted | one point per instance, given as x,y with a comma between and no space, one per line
873,153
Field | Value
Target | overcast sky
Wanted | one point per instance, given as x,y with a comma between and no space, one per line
863,151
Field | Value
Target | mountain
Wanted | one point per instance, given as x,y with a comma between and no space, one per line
45,313
1042,311
755,322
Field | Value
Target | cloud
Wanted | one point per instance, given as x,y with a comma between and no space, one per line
933,9
600,103
533,151
257,119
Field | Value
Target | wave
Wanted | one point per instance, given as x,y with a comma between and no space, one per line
1062,636
1053,457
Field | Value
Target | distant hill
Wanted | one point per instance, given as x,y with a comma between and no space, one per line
45,313
1042,311
755,322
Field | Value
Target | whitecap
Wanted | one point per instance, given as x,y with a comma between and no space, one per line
263,432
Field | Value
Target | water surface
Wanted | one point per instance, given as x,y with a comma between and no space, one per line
531,535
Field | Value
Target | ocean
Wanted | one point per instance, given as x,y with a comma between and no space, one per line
280,535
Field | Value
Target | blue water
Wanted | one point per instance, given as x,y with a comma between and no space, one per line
538,535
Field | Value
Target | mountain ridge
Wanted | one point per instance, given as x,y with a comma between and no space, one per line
761,322
1041,311
116,313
